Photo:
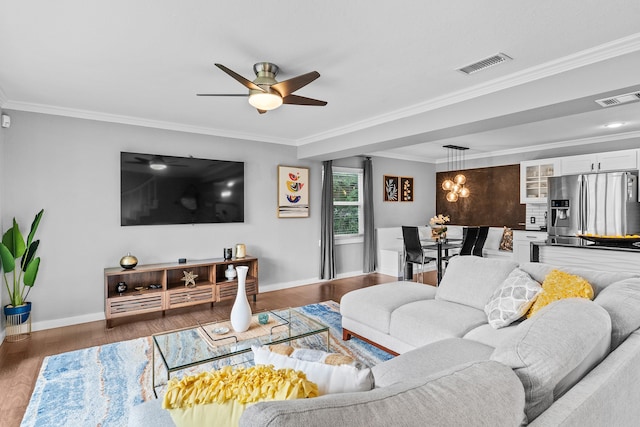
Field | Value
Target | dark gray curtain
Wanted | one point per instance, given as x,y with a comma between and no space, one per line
327,250
369,261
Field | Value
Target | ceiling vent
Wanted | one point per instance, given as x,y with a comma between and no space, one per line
485,63
619,99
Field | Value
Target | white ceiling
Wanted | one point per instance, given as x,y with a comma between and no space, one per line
387,70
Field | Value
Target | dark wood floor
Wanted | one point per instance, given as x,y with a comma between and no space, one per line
20,361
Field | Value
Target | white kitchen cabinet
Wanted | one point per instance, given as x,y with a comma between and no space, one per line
522,243
600,162
533,179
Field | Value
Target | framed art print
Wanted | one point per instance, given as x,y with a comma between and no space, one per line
406,189
390,188
293,192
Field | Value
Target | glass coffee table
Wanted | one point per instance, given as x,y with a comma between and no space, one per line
184,348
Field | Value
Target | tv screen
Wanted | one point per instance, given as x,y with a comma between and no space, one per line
156,189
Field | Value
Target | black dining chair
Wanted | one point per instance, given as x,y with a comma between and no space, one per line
483,232
413,252
469,237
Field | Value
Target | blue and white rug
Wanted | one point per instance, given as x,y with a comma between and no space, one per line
97,386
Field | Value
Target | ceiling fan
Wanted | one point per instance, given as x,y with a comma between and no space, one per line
155,162
265,93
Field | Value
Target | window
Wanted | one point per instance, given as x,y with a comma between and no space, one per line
347,202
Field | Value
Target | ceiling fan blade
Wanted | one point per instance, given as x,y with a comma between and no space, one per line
221,94
247,83
287,87
301,100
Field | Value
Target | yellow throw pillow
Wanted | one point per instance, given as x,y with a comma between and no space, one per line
558,285
220,397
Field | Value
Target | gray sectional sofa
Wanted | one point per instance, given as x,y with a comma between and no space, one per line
575,363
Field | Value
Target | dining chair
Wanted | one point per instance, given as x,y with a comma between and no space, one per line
413,251
483,232
469,237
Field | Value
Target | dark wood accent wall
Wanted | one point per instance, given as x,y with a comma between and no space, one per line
494,198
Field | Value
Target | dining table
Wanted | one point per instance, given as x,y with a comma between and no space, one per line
442,247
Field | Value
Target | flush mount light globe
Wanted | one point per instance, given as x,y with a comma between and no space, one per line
460,179
464,192
265,101
156,163
447,185
452,197
456,188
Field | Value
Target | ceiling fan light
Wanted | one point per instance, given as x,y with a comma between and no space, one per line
265,101
452,197
460,179
447,185
157,164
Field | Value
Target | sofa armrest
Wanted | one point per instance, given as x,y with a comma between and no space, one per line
468,394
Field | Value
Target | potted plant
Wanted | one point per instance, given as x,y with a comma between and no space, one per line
19,277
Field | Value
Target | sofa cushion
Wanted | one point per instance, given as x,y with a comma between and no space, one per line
423,322
428,360
512,299
598,279
488,335
373,305
460,283
554,349
329,378
559,285
466,395
622,302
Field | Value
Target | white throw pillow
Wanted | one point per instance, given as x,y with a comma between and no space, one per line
329,378
512,299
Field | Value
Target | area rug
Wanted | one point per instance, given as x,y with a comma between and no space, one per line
98,386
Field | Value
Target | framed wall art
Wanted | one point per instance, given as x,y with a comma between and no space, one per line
390,188
293,192
406,189
398,188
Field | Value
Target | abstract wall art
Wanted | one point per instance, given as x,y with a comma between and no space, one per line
293,192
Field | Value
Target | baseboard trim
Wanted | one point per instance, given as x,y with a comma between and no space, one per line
287,285
66,321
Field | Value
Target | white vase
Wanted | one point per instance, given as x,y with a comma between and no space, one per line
241,310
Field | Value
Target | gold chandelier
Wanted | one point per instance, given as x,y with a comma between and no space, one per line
455,161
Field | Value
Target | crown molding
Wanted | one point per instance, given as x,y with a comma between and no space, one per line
589,56
553,145
138,121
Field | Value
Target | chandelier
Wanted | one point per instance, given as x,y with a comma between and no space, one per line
455,161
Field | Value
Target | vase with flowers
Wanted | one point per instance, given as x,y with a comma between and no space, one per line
438,227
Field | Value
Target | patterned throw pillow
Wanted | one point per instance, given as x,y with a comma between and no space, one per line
506,244
558,285
511,300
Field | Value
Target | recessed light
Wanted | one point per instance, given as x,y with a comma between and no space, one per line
614,125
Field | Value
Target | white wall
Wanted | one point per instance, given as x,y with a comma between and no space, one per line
2,180
71,168
418,212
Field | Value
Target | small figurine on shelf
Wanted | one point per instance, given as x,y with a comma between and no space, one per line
438,229
230,272
189,279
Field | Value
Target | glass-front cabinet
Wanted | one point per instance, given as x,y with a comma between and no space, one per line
533,179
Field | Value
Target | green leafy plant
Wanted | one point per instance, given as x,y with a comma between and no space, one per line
23,274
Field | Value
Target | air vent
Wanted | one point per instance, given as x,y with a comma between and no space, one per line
619,99
485,63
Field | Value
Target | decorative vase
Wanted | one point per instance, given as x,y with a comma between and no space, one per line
230,272
241,310
241,250
23,311
128,261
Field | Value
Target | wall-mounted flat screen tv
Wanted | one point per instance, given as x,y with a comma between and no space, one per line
157,189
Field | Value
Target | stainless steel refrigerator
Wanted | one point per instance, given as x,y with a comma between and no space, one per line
597,203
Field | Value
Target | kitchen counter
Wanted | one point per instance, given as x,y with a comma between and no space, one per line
574,251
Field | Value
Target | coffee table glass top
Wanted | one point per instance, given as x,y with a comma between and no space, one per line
188,347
